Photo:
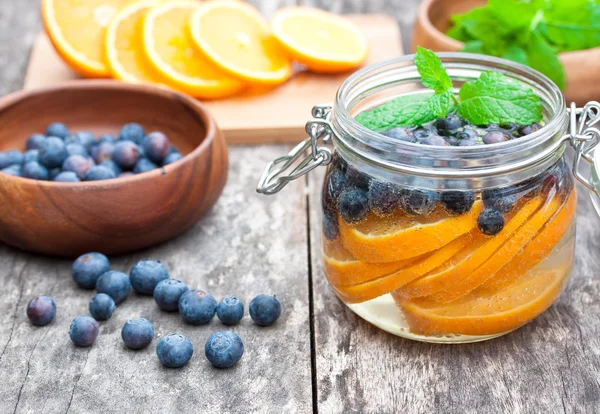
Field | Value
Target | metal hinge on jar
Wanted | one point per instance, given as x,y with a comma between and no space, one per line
318,129
584,137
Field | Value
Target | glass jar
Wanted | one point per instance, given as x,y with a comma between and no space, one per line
444,243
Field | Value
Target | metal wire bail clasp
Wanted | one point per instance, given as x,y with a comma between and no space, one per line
274,178
584,137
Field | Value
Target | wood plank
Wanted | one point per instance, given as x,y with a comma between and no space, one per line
551,365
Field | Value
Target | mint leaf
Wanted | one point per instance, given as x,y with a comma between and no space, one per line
543,58
494,98
404,111
433,74
516,53
473,46
440,103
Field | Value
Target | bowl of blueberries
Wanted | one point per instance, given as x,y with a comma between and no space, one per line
107,166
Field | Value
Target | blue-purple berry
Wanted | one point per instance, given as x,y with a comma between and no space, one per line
35,171
77,149
78,164
111,139
31,155
67,177
53,152
88,268
103,151
137,333
146,274
35,141
84,138
197,307
174,350
156,146
41,310
132,132
126,154
102,306
265,310
144,165
84,330
171,158
167,294
353,204
490,221
99,172
57,129
230,310
111,165
14,170
115,284
14,157
224,349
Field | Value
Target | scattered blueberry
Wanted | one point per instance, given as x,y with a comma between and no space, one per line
76,149
137,333
84,330
35,171
126,154
88,267
467,134
99,172
144,165
529,129
353,204
265,310
132,132
418,202
78,164
384,198
156,146
41,310
67,177
35,141
457,202
167,294
400,134
224,349
171,158
111,165
174,350
146,274
449,124
58,130
115,284
197,307
31,155
14,157
421,133
14,170
103,151
357,178
330,225
502,199
102,306
495,137
490,221
230,310
53,152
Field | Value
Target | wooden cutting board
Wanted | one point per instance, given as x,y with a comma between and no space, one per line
277,115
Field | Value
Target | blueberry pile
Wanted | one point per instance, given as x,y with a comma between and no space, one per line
455,131
223,349
59,155
354,195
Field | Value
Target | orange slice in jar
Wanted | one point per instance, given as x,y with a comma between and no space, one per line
537,249
503,255
168,47
322,41
375,288
486,313
377,240
238,39
342,269
76,30
477,252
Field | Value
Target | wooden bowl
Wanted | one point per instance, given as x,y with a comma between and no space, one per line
119,215
433,20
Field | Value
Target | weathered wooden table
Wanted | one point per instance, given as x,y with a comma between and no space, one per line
319,356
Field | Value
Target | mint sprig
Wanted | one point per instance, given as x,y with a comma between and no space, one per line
493,98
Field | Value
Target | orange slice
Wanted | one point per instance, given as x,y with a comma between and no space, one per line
375,288
342,269
124,45
168,47
322,41
503,255
376,240
76,30
537,249
238,39
480,249
488,313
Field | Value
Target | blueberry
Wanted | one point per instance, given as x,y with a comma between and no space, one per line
384,198
144,165
137,333
58,130
78,164
102,306
449,124
490,221
457,202
452,140
14,170
141,152
103,151
357,178
35,171
41,310
529,129
503,199
467,134
173,149
67,177
435,140
336,182
31,155
422,133
111,139
230,310
495,137
156,146
167,294
111,165
468,142
146,274
53,172
400,134
265,310
53,152
14,157
330,225
132,132
224,349
84,330
115,284
98,172
353,204
418,202
84,138
197,307
35,141
174,350
126,154
88,267
171,158
3,161
77,149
